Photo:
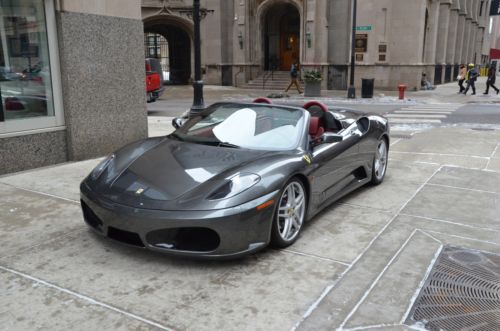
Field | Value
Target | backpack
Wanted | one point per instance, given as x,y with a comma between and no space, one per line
293,71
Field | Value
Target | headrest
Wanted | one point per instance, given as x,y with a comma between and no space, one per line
314,126
263,100
315,103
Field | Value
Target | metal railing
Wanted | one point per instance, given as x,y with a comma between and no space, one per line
265,78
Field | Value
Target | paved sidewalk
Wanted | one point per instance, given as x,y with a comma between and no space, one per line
358,265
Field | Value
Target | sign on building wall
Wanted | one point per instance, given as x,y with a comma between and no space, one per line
361,43
495,8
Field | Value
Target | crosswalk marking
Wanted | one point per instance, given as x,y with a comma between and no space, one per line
413,121
422,114
415,116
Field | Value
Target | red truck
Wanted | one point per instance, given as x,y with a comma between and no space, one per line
154,81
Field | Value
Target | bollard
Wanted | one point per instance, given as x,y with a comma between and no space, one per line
402,89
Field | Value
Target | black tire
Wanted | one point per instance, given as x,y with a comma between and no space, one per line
379,165
289,218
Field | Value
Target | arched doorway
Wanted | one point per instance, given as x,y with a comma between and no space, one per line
281,36
171,44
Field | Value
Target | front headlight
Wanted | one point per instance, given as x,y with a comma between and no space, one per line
234,186
101,167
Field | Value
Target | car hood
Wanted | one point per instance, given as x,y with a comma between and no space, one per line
173,168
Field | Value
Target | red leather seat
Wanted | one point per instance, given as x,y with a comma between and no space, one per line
316,131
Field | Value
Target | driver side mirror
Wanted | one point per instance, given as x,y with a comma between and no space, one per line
177,122
330,138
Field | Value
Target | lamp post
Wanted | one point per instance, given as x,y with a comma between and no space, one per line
351,92
198,103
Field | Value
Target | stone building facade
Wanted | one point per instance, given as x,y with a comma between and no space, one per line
71,80
398,40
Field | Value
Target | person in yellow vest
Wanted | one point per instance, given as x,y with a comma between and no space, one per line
471,78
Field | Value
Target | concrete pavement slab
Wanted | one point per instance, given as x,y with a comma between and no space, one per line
451,141
468,179
266,291
28,219
387,302
341,232
29,305
494,164
440,159
347,293
481,209
61,180
401,182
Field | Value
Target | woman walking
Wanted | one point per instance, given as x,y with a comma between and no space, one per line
461,77
293,78
492,77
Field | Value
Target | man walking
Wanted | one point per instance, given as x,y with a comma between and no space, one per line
471,79
293,76
492,77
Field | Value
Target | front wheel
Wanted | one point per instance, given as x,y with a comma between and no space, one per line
379,167
290,214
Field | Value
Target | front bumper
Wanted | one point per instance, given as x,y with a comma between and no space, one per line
222,233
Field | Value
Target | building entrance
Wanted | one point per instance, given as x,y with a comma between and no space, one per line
172,46
281,32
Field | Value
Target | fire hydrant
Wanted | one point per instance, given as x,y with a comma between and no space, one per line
402,89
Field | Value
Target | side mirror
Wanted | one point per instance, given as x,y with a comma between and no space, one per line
177,122
330,138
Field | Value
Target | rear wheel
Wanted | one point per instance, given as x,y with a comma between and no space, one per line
379,167
290,214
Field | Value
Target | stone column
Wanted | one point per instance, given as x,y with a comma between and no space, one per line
467,38
460,36
452,34
101,49
432,32
442,36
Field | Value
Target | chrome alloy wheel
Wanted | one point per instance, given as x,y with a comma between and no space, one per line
380,160
291,211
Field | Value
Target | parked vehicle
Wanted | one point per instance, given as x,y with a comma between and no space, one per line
235,178
154,80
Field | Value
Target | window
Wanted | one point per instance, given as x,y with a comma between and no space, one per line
28,61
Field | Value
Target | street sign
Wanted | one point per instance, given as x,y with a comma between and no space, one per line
368,27
495,8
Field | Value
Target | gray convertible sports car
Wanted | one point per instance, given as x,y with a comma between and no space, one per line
235,178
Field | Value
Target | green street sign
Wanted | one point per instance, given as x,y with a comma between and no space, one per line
364,28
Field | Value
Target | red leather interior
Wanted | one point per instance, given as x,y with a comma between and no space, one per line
263,100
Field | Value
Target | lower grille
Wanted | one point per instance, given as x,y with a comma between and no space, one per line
461,293
126,237
185,239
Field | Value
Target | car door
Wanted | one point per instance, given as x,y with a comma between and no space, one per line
335,163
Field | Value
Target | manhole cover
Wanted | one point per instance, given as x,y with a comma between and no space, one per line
461,293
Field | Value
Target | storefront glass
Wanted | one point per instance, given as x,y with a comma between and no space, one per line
25,79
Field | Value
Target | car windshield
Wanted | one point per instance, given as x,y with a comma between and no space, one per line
259,127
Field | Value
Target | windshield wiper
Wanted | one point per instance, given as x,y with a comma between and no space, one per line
226,144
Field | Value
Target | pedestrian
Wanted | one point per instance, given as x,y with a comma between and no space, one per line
461,77
492,77
425,83
471,78
294,73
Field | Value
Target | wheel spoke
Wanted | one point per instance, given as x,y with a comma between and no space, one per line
286,228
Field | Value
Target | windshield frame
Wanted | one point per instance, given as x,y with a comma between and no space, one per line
181,133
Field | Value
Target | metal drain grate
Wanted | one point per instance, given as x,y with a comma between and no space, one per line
461,293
